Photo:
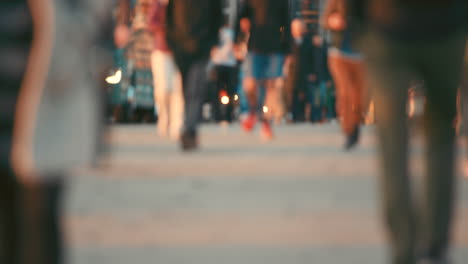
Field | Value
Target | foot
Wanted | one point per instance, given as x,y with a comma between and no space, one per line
249,123
267,132
162,132
352,139
189,141
174,137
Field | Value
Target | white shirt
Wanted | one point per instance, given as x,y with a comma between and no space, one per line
224,54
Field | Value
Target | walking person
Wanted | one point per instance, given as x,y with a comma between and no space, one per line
241,51
192,29
301,71
268,45
49,121
168,94
347,68
225,63
322,108
16,35
425,40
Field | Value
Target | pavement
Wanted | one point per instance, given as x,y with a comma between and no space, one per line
299,199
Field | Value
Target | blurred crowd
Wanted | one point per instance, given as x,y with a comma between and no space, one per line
294,86
178,61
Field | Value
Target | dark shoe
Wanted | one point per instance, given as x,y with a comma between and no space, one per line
352,139
189,141
433,261
428,259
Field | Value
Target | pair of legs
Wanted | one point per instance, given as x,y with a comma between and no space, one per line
168,94
226,80
299,101
297,91
30,228
194,73
416,225
260,67
317,100
348,74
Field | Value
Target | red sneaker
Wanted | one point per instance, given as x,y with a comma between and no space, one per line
249,122
267,132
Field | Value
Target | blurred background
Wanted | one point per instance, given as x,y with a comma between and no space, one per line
296,199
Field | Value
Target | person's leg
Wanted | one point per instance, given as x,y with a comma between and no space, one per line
254,71
279,91
222,85
340,68
9,221
389,74
298,105
272,69
289,87
161,95
176,102
316,109
195,91
357,93
40,235
336,69
231,82
243,102
442,64
53,240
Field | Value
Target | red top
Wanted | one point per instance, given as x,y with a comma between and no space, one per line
158,27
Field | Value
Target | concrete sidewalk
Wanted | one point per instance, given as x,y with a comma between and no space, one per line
299,199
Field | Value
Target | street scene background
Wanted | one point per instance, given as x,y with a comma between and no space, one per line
299,199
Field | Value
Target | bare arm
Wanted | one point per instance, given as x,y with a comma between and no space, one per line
42,13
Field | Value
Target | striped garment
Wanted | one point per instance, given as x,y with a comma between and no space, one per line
15,41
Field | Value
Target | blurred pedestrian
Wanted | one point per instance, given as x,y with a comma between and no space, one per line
17,22
405,40
322,94
122,28
49,119
241,51
347,68
192,31
225,63
168,93
301,71
268,45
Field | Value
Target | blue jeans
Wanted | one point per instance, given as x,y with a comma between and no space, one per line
262,66
243,102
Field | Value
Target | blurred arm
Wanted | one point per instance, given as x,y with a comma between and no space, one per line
329,6
244,12
42,12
